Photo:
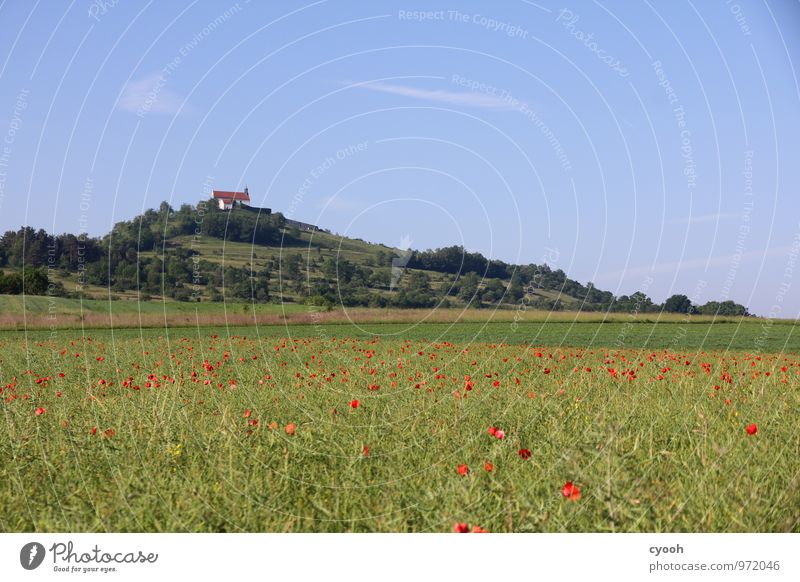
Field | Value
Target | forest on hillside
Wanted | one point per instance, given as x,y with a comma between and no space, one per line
154,255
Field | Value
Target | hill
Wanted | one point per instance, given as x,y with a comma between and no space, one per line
203,254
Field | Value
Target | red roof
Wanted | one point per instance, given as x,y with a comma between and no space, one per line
241,196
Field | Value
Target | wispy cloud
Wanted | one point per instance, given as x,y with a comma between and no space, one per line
150,94
460,98
692,264
694,219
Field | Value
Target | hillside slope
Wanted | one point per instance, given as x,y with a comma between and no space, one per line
203,254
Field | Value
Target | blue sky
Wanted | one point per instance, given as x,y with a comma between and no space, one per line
646,145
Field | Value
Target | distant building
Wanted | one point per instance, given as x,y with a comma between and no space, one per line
228,200
302,225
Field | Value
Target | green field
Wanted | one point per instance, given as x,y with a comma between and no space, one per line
753,337
188,429
35,306
650,330
292,320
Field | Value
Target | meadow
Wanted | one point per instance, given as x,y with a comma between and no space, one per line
402,427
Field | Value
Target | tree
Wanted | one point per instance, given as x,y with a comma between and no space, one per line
494,291
291,266
468,287
35,282
640,302
10,284
416,291
678,304
515,289
380,279
724,308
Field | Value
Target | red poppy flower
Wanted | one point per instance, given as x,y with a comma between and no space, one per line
247,413
479,529
571,491
461,528
39,411
751,429
290,429
524,453
365,449
463,469
499,434
488,466
93,431
493,430
355,403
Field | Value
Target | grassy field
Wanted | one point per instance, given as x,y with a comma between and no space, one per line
38,312
651,330
248,430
